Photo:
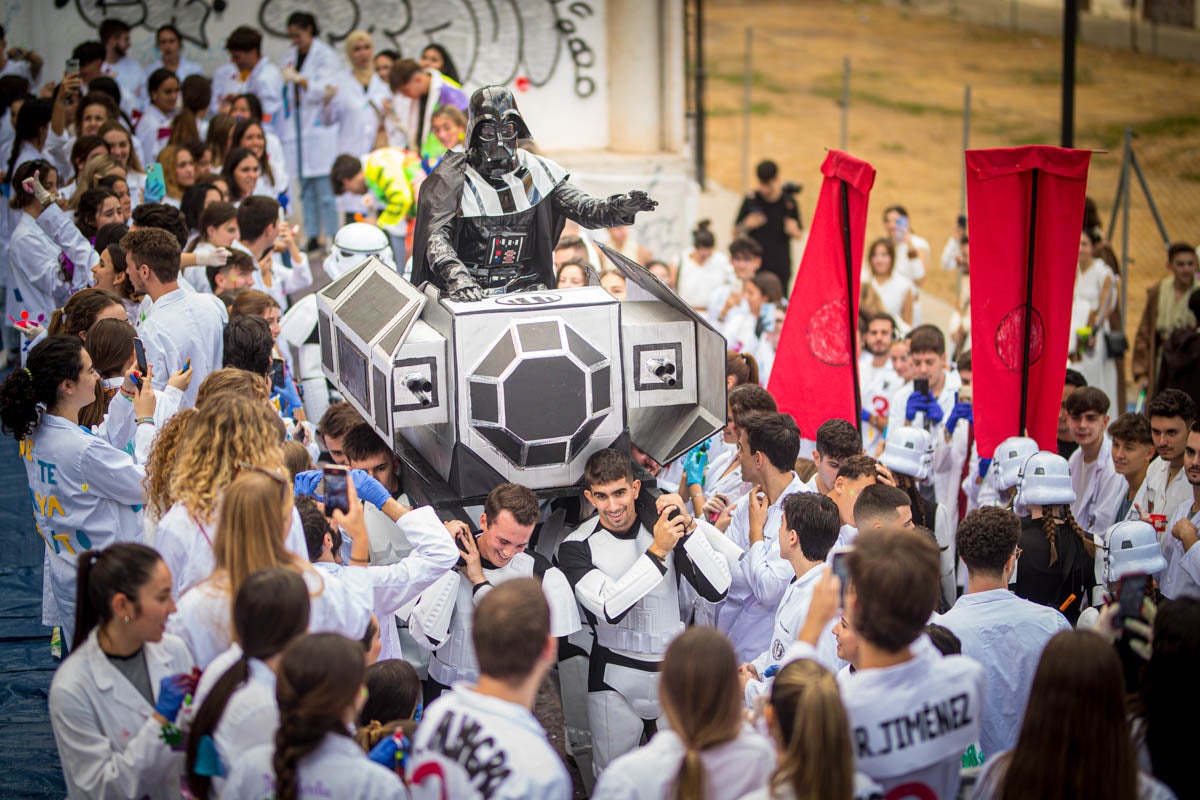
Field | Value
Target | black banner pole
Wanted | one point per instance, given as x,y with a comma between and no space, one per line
852,322
1028,342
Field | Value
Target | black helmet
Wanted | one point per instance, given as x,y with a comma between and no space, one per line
495,104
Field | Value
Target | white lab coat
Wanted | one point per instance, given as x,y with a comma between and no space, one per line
264,81
108,740
789,619
277,182
358,113
251,714
747,616
1095,508
86,494
731,769
1159,493
387,588
312,122
34,282
131,78
336,768
183,325
186,68
511,758
1181,578
286,280
1006,635
205,625
153,131
186,545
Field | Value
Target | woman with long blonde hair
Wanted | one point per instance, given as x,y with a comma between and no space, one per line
709,752
256,512
812,732
227,430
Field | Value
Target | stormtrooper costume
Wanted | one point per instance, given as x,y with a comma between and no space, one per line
298,336
441,619
631,601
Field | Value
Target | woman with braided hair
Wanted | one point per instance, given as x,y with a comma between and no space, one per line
235,700
1057,568
319,688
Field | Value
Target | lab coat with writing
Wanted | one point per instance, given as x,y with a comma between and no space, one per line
312,124
1006,635
183,325
911,722
86,494
336,768
511,758
108,740
153,131
747,616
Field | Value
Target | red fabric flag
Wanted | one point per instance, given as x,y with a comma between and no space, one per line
815,374
1002,214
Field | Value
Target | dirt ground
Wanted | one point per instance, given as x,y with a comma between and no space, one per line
908,73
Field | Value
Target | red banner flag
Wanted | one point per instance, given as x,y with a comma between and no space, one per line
1025,213
815,375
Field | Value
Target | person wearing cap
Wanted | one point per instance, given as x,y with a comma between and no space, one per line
1182,575
1001,631
1058,566
908,453
1132,549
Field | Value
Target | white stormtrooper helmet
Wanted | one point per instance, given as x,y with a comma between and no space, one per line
1045,481
354,242
908,451
1009,456
1132,548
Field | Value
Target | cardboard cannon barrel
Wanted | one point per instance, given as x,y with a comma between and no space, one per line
519,387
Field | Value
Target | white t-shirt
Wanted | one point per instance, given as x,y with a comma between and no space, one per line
697,282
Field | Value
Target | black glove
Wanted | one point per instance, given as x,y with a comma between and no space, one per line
633,202
460,286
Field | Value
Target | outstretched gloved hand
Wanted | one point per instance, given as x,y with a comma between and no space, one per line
34,186
635,201
172,691
213,258
961,410
694,462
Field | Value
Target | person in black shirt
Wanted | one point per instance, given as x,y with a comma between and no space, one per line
1066,444
771,216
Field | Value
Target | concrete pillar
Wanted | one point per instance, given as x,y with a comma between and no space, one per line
674,82
635,75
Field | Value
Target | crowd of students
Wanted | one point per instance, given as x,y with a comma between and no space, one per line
858,611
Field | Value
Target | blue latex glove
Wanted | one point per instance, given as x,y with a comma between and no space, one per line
865,415
960,411
916,405
933,411
369,490
171,693
985,464
694,462
306,482
391,752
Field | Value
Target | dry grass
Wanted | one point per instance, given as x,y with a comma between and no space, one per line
906,112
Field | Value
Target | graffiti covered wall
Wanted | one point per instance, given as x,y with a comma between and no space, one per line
553,52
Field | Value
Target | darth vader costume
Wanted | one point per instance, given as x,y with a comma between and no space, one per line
488,219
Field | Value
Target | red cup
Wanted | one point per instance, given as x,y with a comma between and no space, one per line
1159,521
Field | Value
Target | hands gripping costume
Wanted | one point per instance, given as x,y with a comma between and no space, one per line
488,219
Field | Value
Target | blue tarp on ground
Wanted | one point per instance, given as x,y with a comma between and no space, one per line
28,759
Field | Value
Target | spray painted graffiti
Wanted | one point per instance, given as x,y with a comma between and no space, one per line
189,16
490,42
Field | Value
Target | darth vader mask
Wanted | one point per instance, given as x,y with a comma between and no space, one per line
493,128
